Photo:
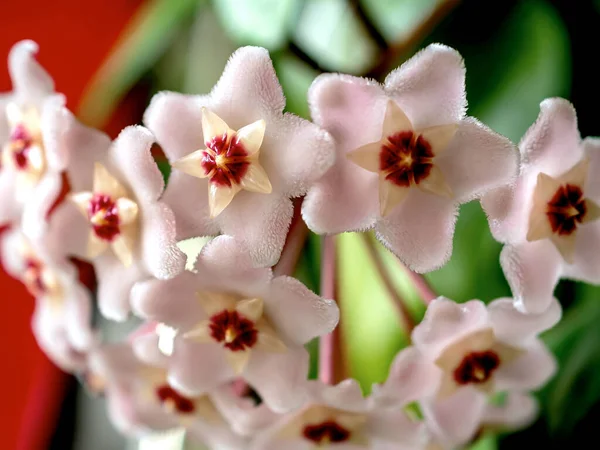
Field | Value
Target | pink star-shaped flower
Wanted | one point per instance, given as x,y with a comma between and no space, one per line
549,218
234,320
407,156
237,158
341,417
140,400
114,219
62,318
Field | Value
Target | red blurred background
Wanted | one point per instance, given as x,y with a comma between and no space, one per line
75,37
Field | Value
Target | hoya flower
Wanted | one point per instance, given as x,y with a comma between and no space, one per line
62,318
237,321
114,219
514,411
32,157
407,156
549,219
488,349
140,400
237,158
339,416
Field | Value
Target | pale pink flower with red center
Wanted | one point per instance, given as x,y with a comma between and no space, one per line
114,219
33,150
339,416
548,219
140,400
407,156
237,158
62,320
234,320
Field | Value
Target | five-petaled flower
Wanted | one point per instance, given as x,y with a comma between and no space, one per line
407,156
549,218
272,156
235,320
115,220
62,320
339,416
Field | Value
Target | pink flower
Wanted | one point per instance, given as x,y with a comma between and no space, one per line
548,219
489,349
140,400
517,410
115,220
62,318
234,320
237,158
407,156
32,158
340,416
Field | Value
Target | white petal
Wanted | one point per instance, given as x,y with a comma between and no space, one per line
192,164
251,136
251,308
219,197
212,125
439,137
395,120
367,156
256,179
127,210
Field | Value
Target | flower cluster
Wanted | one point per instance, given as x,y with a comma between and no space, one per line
222,349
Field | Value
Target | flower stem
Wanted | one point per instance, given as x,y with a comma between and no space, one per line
296,238
421,285
330,361
400,304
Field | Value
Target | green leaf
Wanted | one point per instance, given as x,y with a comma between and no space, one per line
396,19
329,32
147,37
258,22
295,77
487,442
370,326
528,61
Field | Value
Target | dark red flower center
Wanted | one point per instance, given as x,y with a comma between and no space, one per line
477,367
405,158
104,217
20,143
566,209
225,161
33,280
328,431
180,404
232,329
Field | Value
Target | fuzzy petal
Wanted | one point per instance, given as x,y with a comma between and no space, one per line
198,368
519,411
511,325
131,153
298,313
114,285
159,251
430,87
52,124
551,145
591,148
530,371
35,213
30,81
263,229
477,160
532,270
449,428
393,429
445,322
10,208
12,252
279,378
78,317
180,137
69,231
420,231
352,110
586,262
249,85
309,153
172,302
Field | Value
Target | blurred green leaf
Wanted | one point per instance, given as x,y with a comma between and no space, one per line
473,270
576,343
295,77
146,38
397,18
266,23
528,61
488,442
369,323
329,32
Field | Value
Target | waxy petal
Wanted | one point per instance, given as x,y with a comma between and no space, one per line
532,270
251,136
518,411
420,231
430,87
256,180
30,81
191,164
530,371
212,126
